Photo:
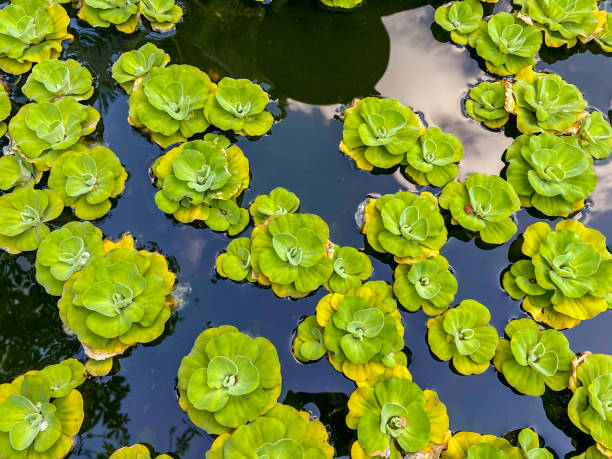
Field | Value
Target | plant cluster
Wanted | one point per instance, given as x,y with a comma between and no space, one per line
464,445
136,451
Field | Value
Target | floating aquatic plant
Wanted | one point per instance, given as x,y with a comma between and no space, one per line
507,44
591,453
228,379
5,109
162,14
43,131
461,18
169,103
24,213
427,284
41,412
283,432
394,417
484,204
31,31
464,445
351,267
408,226
545,102
464,335
202,178
235,263
279,202
433,159
308,343
486,104
345,4
87,180
604,37
567,276
590,408
529,443
52,79
532,359
16,171
118,300
550,173
595,135
239,106
378,132
136,451
133,66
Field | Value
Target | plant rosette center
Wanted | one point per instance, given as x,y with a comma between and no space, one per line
303,249
71,258
528,351
284,448
230,99
29,216
81,174
379,129
36,418
600,396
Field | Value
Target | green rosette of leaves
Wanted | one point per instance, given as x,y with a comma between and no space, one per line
486,104
464,335
227,215
170,103
461,19
123,14
433,159
87,180
550,173
133,66
31,31
484,204
378,132
283,432
362,332
24,213
507,44
351,268
595,135
291,253
427,284
228,379
394,418
408,226
590,408
545,102
65,251
5,109
564,22
199,175
308,343
532,359
53,79
344,4
43,131
591,453
464,445
239,106
16,171
162,14
235,262
567,276
529,443
604,37
279,202
41,412
136,451
118,300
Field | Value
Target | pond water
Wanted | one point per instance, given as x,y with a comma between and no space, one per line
312,60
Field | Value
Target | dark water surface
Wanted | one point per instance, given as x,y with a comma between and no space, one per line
312,60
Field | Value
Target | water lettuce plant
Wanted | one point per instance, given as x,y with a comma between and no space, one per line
345,4
283,432
408,226
169,103
595,135
197,176
162,14
5,109
433,159
464,335
24,213
123,14
486,104
308,343
53,79
118,300
41,412
87,180
427,284
136,451
133,66
545,102
235,262
591,453
43,131
291,252
564,22
16,171
280,201
604,37
394,418
351,267
532,359
226,215
529,443
378,132
461,18
484,204
464,445
550,173
31,31
507,44
590,408
239,106
567,277
228,379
